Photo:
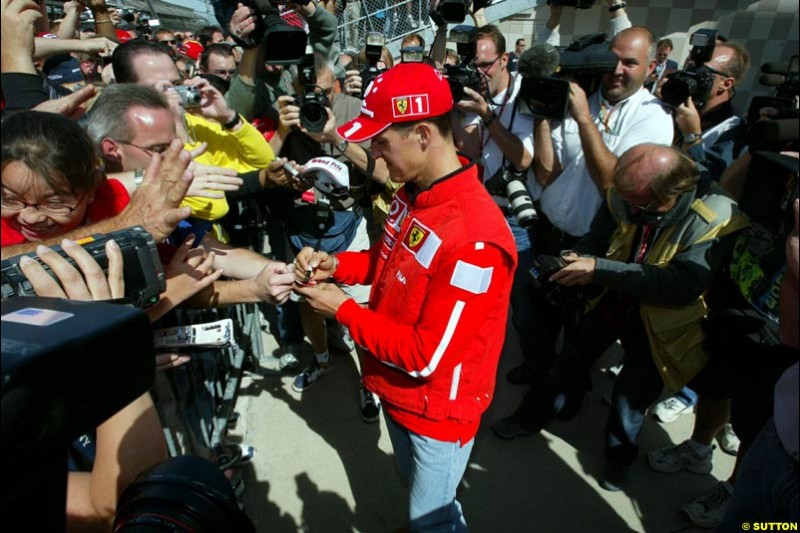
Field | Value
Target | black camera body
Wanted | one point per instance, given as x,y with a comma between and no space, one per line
465,74
67,366
143,272
696,80
510,183
313,103
541,271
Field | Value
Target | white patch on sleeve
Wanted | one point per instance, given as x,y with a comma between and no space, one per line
471,278
479,245
456,380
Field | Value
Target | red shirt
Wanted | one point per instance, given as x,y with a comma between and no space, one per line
110,199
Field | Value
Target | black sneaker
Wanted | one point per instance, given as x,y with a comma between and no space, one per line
370,406
311,375
615,477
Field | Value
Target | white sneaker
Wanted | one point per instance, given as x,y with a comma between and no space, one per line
708,509
680,457
339,338
670,409
727,440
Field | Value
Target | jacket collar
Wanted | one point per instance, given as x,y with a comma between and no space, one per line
445,187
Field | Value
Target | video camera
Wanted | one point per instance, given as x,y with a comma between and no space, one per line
313,103
59,382
284,44
697,78
373,48
543,93
465,74
143,272
509,182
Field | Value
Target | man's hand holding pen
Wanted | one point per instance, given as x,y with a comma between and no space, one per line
312,266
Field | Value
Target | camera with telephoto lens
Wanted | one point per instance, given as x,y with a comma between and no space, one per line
544,93
313,103
465,74
509,183
372,50
142,269
697,79
190,96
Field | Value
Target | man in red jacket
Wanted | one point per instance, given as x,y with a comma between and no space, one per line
441,280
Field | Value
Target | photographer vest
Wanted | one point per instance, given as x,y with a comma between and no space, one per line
675,332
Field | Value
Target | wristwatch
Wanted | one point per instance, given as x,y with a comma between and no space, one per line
342,145
488,121
617,7
138,177
692,138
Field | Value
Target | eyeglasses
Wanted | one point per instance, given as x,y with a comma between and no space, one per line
48,208
159,149
486,65
223,72
718,72
173,41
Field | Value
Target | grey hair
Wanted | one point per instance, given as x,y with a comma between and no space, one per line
108,117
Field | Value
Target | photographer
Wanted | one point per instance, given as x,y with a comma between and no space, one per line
573,164
348,230
654,249
256,89
711,132
200,115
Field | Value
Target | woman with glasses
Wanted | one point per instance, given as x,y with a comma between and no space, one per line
51,180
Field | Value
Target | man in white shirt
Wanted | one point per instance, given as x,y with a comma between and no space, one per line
573,163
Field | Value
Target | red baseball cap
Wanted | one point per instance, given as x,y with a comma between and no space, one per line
405,93
123,36
192,49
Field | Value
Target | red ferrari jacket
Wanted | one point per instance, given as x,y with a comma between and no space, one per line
441,282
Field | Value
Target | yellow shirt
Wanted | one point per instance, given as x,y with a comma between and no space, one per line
244,150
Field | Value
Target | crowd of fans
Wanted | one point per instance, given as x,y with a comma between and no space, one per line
659,216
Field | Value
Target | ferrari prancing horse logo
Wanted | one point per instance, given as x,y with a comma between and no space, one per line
402,106
415,236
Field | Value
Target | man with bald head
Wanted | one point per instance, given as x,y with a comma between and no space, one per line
573,162
654,248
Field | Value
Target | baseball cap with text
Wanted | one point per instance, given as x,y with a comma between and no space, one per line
405,93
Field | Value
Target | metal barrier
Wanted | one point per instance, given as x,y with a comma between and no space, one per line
394,19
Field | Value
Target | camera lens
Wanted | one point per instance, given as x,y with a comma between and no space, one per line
678,88
313,116
181,494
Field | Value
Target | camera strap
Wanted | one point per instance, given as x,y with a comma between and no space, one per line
499,115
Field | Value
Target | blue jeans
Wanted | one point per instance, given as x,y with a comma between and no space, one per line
433,469
766,484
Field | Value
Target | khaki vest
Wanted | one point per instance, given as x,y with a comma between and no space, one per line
675,332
